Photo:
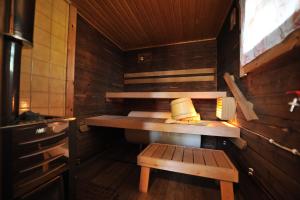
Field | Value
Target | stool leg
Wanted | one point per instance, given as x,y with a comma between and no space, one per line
226,190
144,179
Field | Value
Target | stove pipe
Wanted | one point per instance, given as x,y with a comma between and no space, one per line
16,31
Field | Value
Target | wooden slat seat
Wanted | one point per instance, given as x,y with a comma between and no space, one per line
193,161
212,128
165,95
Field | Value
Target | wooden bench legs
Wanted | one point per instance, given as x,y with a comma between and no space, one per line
187,160
226,186
144,179
226,190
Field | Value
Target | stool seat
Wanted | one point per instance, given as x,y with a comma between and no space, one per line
201,162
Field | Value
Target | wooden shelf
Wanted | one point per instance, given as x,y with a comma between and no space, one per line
211,128
164,95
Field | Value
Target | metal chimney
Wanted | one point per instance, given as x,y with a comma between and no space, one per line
16,29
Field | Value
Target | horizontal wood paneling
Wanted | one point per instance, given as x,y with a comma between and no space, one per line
171,73
192,56
276,171
135,24
197,57
170,80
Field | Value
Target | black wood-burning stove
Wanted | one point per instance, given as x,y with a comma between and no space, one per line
34,154
35,157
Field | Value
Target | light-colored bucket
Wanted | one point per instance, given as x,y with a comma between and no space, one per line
183,108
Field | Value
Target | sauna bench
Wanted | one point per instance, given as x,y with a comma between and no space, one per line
201,162
210,128
164,95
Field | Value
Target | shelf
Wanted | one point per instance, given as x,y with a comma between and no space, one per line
164,95
211,128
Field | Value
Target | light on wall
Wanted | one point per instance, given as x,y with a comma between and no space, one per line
226,108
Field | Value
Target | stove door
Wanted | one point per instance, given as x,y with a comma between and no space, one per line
51,190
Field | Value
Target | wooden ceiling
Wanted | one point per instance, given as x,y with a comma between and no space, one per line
134,24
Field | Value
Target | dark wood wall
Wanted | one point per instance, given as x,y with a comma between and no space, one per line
174,57
276,172
98,68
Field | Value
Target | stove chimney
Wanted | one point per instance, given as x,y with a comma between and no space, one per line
16,31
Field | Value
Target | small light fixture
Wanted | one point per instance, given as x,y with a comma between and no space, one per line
226,108
141,58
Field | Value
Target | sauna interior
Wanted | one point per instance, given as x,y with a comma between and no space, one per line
150,99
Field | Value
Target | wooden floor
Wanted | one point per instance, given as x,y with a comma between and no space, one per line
109,177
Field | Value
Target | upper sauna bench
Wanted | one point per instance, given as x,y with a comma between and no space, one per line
164,95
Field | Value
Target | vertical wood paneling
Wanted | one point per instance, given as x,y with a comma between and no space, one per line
71,61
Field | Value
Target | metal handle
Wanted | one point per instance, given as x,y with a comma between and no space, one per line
41,164
49,148
41,139
42,176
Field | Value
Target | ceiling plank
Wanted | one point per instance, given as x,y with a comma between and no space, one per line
134,24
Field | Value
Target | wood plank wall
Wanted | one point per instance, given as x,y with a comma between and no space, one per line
276,172
98,68
187,56
174,57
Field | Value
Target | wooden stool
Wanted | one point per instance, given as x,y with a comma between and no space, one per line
193,161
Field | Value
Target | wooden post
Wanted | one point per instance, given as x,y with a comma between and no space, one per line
240,98
71,61
144,179
226,190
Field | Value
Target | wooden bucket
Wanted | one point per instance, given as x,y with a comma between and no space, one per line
183,108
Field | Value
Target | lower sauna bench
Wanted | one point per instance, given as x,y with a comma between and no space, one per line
193,161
